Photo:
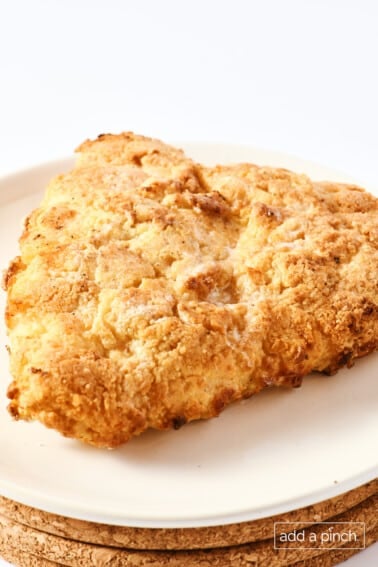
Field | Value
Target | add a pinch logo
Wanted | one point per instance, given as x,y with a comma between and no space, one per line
324,535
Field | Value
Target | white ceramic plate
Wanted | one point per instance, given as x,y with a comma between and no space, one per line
275,452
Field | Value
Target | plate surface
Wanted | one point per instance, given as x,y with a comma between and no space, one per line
273,453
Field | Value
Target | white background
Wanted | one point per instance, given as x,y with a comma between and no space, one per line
293,75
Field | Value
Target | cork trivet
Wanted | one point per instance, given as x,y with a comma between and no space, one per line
70,553
185,538
328,559
22,559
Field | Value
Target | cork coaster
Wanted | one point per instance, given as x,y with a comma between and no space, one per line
331,558
24,559
21,543
328,559
185,538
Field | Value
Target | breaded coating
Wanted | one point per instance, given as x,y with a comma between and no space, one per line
151,291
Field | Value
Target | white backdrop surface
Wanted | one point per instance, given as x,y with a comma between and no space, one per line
295,76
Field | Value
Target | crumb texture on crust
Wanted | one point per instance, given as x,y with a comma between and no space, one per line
151,290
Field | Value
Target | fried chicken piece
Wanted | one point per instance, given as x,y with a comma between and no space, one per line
151,290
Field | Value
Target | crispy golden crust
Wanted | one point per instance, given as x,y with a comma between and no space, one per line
151,290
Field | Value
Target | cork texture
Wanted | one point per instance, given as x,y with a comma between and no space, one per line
23,559
185,538
328,559
20,543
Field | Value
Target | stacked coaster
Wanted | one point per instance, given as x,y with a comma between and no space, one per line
31,537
